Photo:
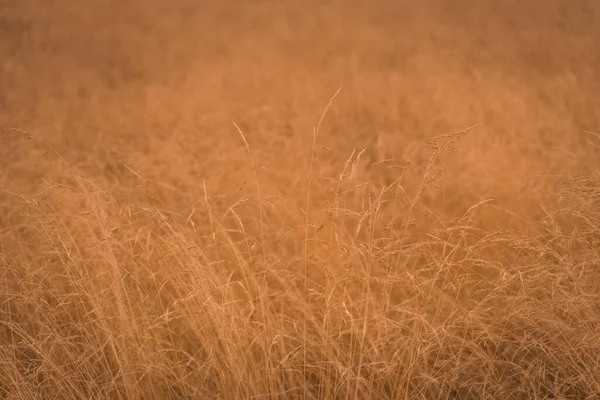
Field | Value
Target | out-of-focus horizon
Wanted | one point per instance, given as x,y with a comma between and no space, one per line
182,71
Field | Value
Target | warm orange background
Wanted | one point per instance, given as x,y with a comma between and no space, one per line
143,257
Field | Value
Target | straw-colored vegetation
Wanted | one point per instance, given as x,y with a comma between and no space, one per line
299,199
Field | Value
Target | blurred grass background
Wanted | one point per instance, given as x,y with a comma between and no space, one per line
144,257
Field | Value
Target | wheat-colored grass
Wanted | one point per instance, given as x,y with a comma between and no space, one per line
429,230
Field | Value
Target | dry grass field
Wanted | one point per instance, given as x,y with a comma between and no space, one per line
300,199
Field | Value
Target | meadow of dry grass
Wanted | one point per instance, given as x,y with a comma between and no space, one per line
299,199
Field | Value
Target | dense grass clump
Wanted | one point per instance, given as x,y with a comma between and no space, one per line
356,249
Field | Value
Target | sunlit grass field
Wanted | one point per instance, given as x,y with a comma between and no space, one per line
300,199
